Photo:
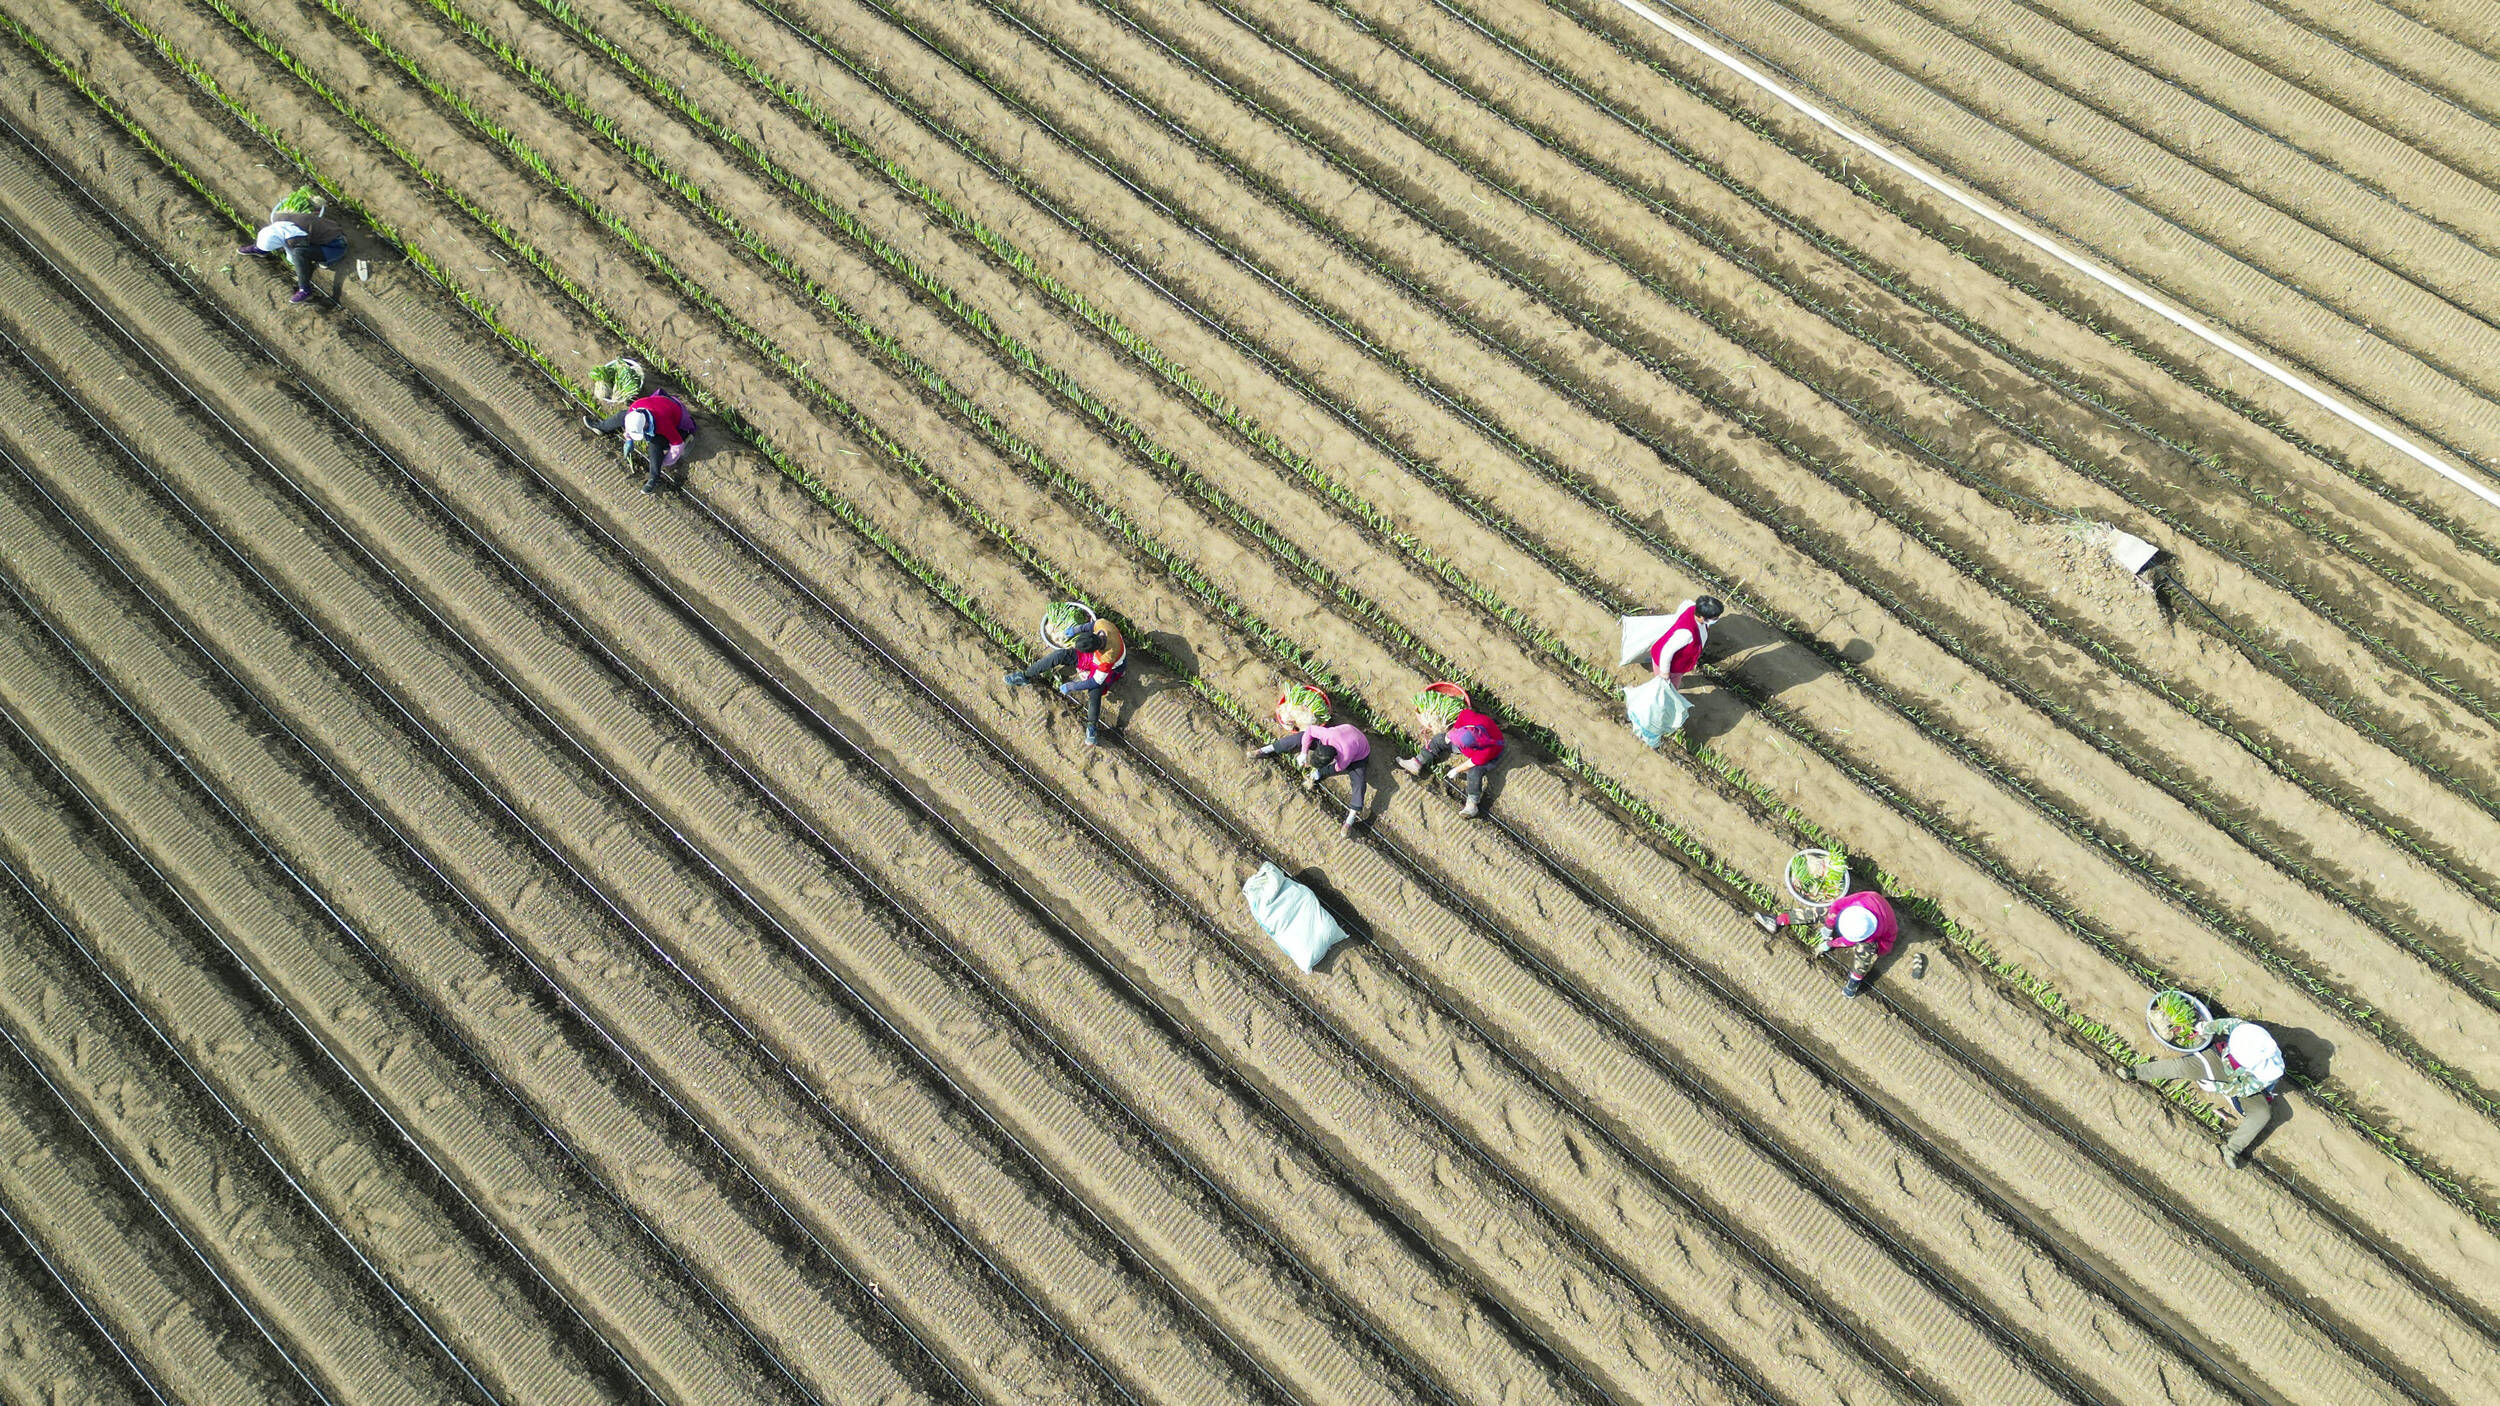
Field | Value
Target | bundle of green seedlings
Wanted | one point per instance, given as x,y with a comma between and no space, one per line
1819,877
2178,1016
621,379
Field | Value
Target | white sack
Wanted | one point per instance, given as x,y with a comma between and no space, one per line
1655,710
1292,915
1639,633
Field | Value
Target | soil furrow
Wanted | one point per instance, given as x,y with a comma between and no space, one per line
660,894
836,1356
1645,1362
314,1285
2069,331
814,1173
1593,734
670,1331
1444,1322
58,1350
146,1282
835,672
395,1215
2436,229
2331,72
2404,43
2271,279
2358,144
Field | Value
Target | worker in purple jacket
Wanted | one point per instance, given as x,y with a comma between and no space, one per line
1327,751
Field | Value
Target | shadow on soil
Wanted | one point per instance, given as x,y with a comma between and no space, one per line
1773,664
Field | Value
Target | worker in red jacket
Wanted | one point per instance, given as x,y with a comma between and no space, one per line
1862,924
1093,648
1456,729
659,422
1678,651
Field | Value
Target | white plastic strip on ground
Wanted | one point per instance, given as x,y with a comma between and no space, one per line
2072,260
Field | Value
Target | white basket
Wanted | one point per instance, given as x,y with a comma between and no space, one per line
2154,1024
1788,879
1043,629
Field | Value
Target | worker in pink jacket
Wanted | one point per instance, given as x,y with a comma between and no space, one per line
661,424
1862,923
1329,751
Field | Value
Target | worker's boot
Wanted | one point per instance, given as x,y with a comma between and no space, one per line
1856,986
1769,922
2233,1160
1470,810
1412,766
1093,735
2126,1074
1352,819
1016,678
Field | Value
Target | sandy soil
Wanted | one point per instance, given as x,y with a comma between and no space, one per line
768,1023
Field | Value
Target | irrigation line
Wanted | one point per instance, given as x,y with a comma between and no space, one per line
138,1185
2169,887
2124,287
78,1301
756,908
345,926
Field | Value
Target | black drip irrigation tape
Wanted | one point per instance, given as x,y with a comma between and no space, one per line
78,1302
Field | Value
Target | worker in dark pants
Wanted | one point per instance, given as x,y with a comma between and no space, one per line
660,423
1091,647
1861,924
306,239
1470,741
2243,1064
1329,751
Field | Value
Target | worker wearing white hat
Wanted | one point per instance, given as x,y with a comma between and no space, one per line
2243,1062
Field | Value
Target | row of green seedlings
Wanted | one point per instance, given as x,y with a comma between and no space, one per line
1007,640
2129,857
1886,422
1947,235
2213,812
1757,792
1005,637
1890,424
2367,1018
2141,863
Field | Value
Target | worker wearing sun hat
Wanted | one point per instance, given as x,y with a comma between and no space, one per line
1861,923
2243,1063
660,423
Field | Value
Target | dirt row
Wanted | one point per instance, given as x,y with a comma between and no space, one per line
2271,277
1586,629
54,1350
2446,49
1371,579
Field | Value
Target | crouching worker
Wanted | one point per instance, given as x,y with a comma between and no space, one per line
1454,729
1861,924
660,423
307,238
1090,646
2243,1064
1328,751
1678,651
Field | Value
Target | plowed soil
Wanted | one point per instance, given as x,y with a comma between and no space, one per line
476,931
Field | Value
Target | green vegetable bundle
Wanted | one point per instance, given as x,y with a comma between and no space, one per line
303,199
2180,1014
1817,877
1064,621
620,379
1440,709
1304,698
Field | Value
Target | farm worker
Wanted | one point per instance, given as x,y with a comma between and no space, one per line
1092,647
659,422
2242,1064
1863,923
306,238
1678,651
1453,728
1328,751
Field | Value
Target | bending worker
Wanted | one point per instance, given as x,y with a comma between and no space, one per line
1678,651
660,423
1455,728
306,238
1862,923
1092,647
2243,1064
1328,751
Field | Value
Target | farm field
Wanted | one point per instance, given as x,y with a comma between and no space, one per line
478,932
